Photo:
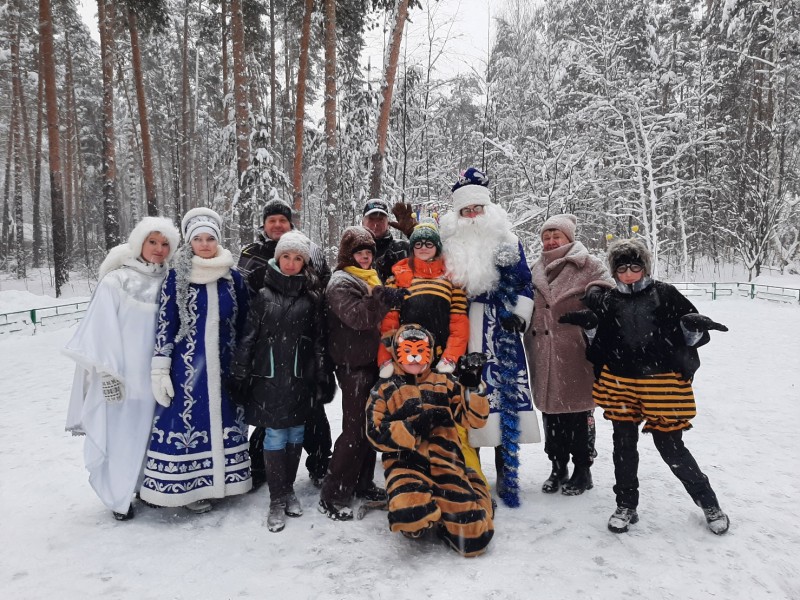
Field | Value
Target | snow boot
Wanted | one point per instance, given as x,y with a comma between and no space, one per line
124,516
293,452
557,477
199,506
276,518
580,481
622,517
373,493
717,520
334,511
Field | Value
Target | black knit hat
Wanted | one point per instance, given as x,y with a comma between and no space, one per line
277,207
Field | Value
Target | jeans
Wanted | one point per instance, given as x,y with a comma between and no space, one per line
276,439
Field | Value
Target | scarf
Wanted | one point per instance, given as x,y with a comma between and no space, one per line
368,276
206,270
554,256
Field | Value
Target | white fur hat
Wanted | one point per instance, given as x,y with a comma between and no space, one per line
566,224
133,247
294,241
201,220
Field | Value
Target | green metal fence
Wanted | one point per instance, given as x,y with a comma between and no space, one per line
31,320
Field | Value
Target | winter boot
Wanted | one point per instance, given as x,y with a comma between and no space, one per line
199,506
334,511
276,518
580,481
557,477
124,516
622,517
372,493
278,489
293,451
717,520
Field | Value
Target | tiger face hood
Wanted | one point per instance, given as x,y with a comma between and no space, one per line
413,345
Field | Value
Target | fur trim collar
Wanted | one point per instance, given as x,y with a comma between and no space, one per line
206,270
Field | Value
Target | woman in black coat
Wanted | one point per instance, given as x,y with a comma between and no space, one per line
279,365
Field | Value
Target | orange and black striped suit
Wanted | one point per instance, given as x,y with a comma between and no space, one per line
426,478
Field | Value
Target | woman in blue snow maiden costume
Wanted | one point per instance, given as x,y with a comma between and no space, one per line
198,446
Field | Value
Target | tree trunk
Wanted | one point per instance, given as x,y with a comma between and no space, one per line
144,124
241,115
300,107
386,103
185,108
225,86
19,237
105,14
37,172
5,243
69,145
18,91
56,193
273,117
331,209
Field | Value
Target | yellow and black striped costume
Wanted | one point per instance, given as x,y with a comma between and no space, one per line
664,401
426,478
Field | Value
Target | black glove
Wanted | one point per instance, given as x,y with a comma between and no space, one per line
430,419
583,318
593,297
470,368
325,392
513,323
404,218
238,390
392,296
696,323
409,409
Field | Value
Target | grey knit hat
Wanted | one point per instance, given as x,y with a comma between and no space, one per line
294,241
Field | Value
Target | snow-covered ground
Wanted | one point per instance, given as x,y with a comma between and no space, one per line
58,541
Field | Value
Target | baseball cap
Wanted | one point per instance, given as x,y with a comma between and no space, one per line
376,205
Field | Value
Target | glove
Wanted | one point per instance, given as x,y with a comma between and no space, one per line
430,419
445,365
404,218
470,369
697,323
387,370
161,384
513,323
238,390
392,296
326,391
409,409
583,318
113,390
593,297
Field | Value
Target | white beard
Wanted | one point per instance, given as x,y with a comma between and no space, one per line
469,247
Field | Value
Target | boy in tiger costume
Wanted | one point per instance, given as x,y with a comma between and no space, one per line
411,418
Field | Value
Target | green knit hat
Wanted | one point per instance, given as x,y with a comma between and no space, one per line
426,230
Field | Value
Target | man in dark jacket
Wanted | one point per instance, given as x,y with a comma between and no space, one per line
253,262
388,250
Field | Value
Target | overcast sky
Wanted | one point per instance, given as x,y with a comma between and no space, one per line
461,25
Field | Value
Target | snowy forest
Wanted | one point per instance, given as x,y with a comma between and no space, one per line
673,120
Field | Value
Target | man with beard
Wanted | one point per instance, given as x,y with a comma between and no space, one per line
484,257
253,262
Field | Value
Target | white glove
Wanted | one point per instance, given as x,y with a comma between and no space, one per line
113,390
387,370
445,366
161,384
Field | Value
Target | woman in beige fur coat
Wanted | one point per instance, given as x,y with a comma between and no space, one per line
562,377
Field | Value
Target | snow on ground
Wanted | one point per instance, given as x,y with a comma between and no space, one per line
59,541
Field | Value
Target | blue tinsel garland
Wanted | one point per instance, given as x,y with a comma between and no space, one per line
505,343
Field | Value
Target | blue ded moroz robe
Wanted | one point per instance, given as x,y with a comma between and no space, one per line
198,445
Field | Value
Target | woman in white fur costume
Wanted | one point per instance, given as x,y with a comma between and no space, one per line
198,446
112,403
483,256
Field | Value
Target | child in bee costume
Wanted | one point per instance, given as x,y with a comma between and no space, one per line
645,336
411,418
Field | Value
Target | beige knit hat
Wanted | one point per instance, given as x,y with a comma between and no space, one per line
566,224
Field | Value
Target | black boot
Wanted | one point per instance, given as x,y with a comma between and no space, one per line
293,452
558,476
276,481
257,468
580,481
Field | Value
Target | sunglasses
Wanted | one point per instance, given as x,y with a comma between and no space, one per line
471,210
425,244
634,268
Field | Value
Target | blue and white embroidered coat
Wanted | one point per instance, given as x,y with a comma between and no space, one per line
198,446
484,328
